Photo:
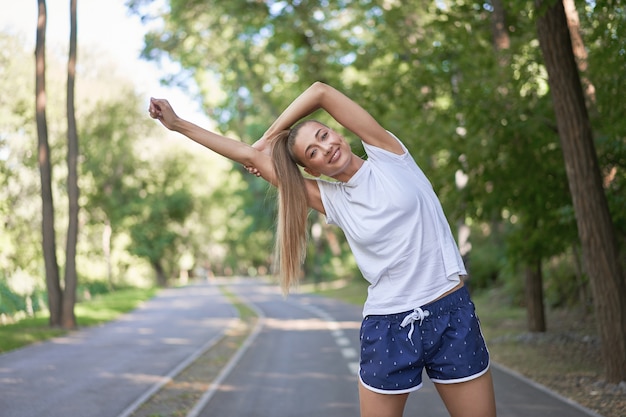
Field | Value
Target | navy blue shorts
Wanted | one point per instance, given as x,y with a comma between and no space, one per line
444,337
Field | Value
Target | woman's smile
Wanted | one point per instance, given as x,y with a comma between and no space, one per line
323,151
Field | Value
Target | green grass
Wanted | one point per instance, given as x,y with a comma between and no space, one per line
354,292
245,312
497,316
100,309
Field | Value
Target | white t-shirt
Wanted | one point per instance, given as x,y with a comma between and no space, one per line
396,228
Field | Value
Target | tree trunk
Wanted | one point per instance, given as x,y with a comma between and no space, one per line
160,274
580,52
69,293
595,228
106,249
501,38
53,285
534,298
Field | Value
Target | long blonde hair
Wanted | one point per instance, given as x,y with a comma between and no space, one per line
291,230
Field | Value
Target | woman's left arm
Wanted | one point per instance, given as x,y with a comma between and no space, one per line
343,109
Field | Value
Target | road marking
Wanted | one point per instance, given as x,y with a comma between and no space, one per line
340,339
348,353
355,367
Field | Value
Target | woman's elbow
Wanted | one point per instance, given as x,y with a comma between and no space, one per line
319,87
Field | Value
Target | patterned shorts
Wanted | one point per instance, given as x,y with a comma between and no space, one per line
444,337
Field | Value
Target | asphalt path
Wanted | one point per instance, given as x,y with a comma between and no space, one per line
107,370
301,360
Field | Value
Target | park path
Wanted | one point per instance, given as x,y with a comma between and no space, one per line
104,371
304,362
301,360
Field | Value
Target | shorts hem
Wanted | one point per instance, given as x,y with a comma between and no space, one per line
464,379
390,392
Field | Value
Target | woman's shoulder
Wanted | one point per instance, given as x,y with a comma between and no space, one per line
399,151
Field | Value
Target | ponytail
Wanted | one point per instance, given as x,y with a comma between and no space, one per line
291,230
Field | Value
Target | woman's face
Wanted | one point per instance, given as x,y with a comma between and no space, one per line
321,150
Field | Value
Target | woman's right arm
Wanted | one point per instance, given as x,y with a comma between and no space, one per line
240,152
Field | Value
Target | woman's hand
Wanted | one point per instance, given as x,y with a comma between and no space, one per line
261,145
161,110
252,170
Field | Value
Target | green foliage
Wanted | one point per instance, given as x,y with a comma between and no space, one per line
20,202
88,289
429,72
486,259
110,134
10,303
163,204
566,286
18,305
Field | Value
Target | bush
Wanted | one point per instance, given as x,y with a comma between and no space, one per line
10,302
86,290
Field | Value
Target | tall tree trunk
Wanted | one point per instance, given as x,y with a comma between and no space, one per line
535,312
69,293
580,53
53,285
595,228
501,38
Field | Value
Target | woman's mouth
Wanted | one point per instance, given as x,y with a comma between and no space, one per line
334,156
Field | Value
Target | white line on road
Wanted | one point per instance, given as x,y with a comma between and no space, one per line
338,335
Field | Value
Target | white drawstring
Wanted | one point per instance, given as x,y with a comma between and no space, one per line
417,314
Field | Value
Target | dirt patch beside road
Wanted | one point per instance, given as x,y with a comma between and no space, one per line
566,359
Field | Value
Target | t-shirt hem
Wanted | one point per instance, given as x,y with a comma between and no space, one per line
414,303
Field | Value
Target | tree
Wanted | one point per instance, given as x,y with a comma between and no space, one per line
45,168
20,183
163,205
110,133
593,218
69,289
533,281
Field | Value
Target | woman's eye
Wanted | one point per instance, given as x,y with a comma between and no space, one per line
313,153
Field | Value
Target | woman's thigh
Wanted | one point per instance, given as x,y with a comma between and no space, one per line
473,398
374,404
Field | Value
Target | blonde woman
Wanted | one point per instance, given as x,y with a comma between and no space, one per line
418,315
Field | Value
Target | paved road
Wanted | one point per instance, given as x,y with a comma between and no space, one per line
100,372
304,363
301,361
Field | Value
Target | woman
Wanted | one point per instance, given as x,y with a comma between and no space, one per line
417,314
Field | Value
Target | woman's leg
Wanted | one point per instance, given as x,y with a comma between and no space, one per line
473,398
374,404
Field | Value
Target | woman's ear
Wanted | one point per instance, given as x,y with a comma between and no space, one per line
312,172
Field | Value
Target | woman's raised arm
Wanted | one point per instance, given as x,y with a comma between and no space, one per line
160,109
343,109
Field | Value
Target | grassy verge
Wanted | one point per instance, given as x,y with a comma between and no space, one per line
100,309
